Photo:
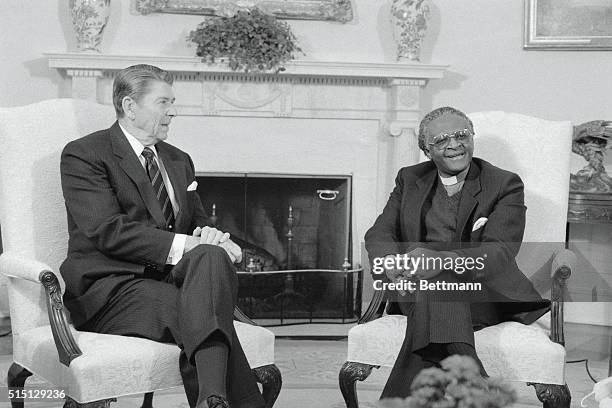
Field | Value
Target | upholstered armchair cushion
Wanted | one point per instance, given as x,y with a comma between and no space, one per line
114,366
510,350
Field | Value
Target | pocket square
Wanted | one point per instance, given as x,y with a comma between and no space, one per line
479,223
193,186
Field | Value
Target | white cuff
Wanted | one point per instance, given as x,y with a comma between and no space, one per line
177,249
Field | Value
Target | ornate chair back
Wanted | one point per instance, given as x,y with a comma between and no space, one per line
32,212
538,151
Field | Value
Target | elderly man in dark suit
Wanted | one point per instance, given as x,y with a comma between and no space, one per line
453,206
141,261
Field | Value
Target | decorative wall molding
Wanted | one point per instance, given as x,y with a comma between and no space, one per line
394,70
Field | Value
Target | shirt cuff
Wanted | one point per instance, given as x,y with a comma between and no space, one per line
177,249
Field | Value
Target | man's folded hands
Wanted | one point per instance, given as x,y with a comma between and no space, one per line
213,236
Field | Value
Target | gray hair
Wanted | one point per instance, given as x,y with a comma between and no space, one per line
134,81
434,114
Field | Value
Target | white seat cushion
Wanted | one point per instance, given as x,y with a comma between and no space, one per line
109,360
510,350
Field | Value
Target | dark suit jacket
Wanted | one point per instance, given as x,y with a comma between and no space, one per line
115,223
488,192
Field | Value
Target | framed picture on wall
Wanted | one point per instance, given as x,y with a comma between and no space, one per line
568,25
335,10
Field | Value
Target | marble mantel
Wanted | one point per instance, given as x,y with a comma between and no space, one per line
316,117
388,92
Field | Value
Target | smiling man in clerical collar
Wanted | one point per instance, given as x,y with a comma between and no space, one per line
462,204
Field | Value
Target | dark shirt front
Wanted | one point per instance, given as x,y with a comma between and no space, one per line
441,216
441,226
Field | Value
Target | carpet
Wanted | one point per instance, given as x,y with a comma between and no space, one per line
310,380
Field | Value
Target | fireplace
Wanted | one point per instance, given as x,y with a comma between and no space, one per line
295,233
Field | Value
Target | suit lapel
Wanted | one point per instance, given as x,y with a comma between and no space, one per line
468,201
176,176
132,167
415,202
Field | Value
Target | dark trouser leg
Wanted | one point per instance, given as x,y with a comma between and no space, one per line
408,363
242,387
464,349
208,291
208,287
431,326
211,363
149,308
403,373
242,384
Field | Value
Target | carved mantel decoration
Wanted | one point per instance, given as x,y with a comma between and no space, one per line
335,10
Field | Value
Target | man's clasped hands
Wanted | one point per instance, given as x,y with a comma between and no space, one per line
212,236
419,270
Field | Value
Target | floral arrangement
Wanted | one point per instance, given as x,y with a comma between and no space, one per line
250,40
457,384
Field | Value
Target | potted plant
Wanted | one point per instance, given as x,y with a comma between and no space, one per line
250,40
456,384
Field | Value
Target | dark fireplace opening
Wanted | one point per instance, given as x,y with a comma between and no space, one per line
295,233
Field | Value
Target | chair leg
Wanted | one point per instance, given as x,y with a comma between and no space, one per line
269,376
147,402
70,403
16,378
553,395
349,374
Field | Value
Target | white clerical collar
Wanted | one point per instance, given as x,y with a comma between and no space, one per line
137,146
452,180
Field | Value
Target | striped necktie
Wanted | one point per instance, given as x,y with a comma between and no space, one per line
158,186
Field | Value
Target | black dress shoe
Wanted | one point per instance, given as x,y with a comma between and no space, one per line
215,401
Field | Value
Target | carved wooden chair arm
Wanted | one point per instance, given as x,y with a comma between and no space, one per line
38,272
67,347
563,263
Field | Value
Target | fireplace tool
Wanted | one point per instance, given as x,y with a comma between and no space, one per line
289,284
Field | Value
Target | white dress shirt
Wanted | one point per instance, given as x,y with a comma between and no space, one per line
178,243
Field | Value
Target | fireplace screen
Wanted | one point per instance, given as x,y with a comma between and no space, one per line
296,240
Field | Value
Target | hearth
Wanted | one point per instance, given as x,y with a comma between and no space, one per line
295,232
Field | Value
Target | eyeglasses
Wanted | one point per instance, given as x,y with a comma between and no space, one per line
441,142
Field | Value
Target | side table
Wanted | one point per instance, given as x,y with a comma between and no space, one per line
589,208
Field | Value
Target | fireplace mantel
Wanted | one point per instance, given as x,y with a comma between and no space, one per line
389,92
315,69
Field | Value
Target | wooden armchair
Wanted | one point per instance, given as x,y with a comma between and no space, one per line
538,151
93,369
